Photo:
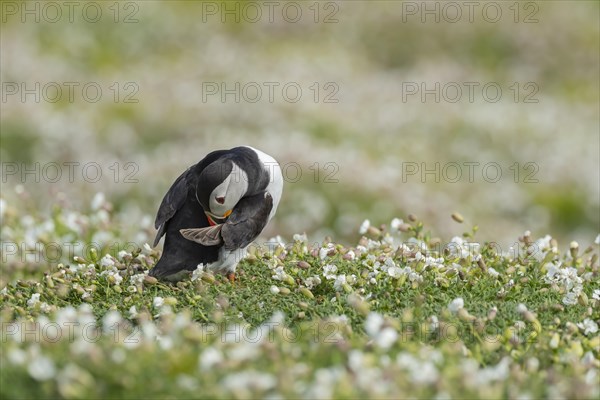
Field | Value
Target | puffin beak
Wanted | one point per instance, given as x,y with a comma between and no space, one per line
227,213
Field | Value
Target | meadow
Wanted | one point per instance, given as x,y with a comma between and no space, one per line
400,314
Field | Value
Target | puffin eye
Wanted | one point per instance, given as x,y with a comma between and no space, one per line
220,199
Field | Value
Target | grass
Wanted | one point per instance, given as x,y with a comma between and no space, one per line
398,315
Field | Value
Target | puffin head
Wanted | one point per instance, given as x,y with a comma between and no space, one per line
220,186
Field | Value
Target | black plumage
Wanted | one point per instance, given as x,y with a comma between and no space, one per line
185,207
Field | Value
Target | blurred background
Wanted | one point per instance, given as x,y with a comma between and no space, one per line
375,109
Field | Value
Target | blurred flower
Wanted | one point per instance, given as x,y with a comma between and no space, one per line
198,272
329,271
16,356
2,208
158,302
110,320
300,238
340,280
324,251
274,289
41,368
312,281
279,274
249,380
364,227
596,294
35,298
98,201
456,305
588,326
395,224
383,336
209,358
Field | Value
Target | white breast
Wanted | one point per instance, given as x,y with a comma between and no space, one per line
275,186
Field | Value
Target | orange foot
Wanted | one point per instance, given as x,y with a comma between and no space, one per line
231,277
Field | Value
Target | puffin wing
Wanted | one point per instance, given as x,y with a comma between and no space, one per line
173,200
246,222
209,236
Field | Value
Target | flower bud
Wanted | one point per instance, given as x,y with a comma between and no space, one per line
574,249
458,218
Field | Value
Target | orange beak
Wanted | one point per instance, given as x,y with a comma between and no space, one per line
211,222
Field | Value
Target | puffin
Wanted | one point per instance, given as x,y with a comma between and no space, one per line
214,210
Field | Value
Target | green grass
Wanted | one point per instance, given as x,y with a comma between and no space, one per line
101,328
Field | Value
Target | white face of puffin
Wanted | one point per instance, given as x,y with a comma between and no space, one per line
225,196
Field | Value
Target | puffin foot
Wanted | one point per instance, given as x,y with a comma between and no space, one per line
231,277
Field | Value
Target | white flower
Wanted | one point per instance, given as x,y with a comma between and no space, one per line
45,307
355,360
588,326
274,289
395,224
597,241
312,281
279,274
41,368
98,201
113,276
325,250
373,323
137,279
339,281
122,254
435,323
492,272
300,237
456,305
3,209
395,272
595,295
351,255
386,338
133,313
16,356
540,247
329,271
209,358
198,272
111,320
567,278
241,382
158,302
383,337
364,227
107,261
521,308
35,298
570,299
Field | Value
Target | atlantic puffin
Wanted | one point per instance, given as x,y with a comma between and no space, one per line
215,209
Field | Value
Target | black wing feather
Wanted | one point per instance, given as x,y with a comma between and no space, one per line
173,200
246,222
